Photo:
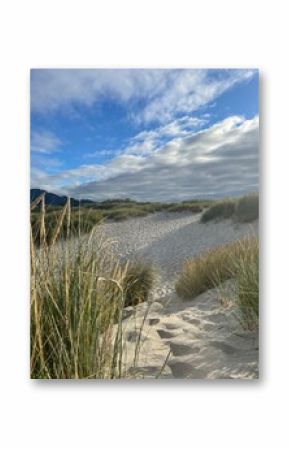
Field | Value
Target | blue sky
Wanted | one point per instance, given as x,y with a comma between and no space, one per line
146,134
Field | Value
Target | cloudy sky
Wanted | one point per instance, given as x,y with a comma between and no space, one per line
145,134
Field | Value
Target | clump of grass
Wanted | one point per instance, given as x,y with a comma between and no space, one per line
238,261
246,267
242,210
247,209
77,302
219,210
203,272
138,283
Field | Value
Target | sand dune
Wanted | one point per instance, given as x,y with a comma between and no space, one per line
201,338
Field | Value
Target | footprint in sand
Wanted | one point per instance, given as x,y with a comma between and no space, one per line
166,334
227,349
179,349
217,318
209,327
134,336
153,321
194,321
183,370
172,326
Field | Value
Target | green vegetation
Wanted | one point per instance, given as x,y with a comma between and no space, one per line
123,213
238,261
194,206
242,210
84,218
123,209
77,302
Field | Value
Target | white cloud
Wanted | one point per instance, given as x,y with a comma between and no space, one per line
217,161
191,89
55,89
164,93
181,126
44,142
101,152
147,142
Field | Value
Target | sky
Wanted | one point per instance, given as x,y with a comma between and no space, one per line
145,134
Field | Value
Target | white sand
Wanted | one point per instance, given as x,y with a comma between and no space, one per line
204,338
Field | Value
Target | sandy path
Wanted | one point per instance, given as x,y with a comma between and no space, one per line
205,338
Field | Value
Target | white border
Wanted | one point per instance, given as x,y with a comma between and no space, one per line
144,34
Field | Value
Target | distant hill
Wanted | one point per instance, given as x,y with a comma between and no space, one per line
56,200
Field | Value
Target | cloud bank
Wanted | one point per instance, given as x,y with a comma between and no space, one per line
217,161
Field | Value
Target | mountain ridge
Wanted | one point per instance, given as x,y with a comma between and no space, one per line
53,199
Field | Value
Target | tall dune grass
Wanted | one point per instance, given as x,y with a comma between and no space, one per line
238,261
246,267
77,302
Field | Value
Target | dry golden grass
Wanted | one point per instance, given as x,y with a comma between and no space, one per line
239,261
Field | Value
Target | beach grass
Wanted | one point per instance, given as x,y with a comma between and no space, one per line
78,298
138,282
246,267
238,261
241,210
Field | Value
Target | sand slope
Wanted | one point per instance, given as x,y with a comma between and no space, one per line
201,338
204,338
